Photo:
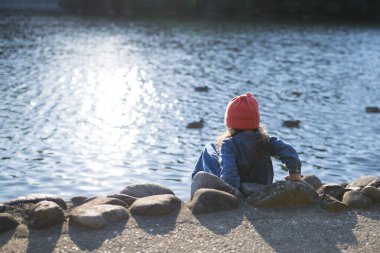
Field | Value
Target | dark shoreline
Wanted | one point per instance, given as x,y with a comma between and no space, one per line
262,19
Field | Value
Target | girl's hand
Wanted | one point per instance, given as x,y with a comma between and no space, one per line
293,177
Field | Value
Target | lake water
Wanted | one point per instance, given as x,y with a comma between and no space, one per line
91,105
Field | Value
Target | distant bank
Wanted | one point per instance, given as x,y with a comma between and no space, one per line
30,5
350,9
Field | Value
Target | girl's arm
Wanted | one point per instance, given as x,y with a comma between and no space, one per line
229,171
286,153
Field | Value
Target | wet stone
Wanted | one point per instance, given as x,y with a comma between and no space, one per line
331,204
145,190
284,194
7,222
362,181
46,214
35,198
155,205
123,197
372,192
357,199
313,181
334,190
211,200
98,216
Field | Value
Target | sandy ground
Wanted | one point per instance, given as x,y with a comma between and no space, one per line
247,229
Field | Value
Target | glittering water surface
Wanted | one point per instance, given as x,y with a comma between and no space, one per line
91,105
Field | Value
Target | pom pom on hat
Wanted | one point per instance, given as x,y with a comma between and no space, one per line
243,112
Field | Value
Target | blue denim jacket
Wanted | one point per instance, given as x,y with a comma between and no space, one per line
238,161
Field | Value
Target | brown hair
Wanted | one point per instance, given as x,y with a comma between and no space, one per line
261,144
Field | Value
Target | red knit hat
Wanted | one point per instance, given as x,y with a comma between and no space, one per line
243,113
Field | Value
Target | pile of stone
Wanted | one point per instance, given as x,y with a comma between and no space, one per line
39,211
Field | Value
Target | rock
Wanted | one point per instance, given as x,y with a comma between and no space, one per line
372,109
353,188
331,204
103,201
145,190
46,214
201,89
35,198
362,181
333,190
291,123
7,222
313,181
2,208
78,200
98,212
211,200
195,124
375,183
357,199
91,199
372,192
206,180
284,194
250,188
95,217
125,198
155,205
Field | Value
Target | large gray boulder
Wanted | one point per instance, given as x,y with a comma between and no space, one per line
210,200
334,190
362,181
98,212
357,199
35,198
145,190
372,192
331,204
284,194
155,205
7,222
99,216
45,214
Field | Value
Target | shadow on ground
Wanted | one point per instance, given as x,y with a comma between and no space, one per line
154,224
43,240
87,239
223,222
304,229
5,237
